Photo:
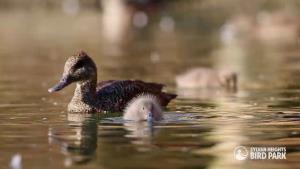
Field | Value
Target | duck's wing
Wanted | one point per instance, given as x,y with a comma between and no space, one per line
115,95
104,83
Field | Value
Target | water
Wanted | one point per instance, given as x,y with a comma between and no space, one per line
201,127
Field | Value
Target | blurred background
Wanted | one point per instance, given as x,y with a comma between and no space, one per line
163,38
151,40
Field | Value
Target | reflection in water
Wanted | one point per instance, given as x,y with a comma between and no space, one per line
79,141
142,131
229,136
204,94
139,129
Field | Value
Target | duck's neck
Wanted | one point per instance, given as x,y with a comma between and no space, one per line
85,92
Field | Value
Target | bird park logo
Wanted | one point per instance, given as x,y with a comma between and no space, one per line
259,153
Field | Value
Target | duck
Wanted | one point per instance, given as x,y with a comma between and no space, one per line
202,77
144,107
106,96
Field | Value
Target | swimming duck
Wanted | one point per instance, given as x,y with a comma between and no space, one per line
143,107
106,96
207,78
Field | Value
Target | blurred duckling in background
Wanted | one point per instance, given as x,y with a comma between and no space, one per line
144,107
207,78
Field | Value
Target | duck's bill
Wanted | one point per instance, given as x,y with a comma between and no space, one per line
150,117
60,85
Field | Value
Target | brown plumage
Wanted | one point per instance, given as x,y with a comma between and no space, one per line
112,95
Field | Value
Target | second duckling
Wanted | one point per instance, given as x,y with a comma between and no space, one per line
207,78
145,107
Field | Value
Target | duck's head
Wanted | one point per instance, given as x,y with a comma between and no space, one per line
143,108
78,68
228,79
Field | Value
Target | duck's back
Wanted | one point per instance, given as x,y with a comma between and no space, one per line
114,95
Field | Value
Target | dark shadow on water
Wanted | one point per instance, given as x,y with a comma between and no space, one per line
78,140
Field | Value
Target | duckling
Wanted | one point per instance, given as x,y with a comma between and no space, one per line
106,96
207,78
143,107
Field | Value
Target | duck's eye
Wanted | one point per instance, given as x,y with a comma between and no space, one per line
143,108
79,64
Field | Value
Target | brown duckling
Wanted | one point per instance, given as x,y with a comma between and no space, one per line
207,78
143,107
111,95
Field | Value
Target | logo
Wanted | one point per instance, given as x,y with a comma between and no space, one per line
240,153
259,153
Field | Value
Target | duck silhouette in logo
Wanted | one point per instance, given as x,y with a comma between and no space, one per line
240,153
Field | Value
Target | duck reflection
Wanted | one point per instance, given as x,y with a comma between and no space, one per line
78,141
141,134
139,129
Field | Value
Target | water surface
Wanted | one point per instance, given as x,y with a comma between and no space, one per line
201,128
